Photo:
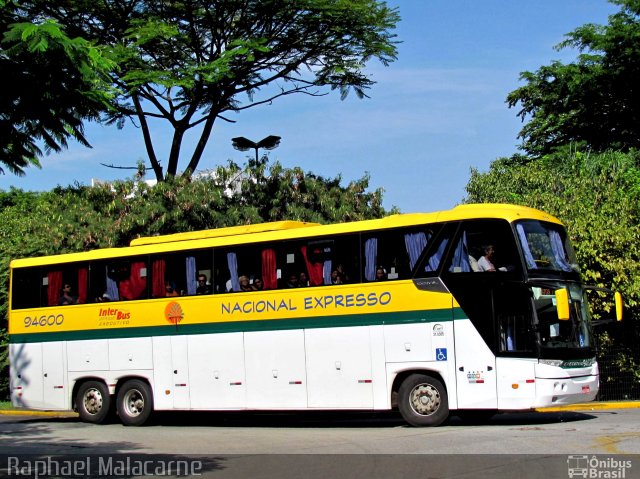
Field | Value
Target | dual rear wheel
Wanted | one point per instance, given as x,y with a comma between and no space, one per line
134,402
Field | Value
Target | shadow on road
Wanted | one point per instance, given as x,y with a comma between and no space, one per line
319,419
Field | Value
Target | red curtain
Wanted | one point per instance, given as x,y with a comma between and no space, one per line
82,284
157,278
269,274
55,287
314,269
135,286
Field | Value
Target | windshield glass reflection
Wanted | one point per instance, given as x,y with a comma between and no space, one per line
545,247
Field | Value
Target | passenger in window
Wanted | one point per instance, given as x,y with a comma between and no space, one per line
245,285
293,281
303,280
336,277
257,285
485,262
381,274
203,286
170,289
66,297
342,274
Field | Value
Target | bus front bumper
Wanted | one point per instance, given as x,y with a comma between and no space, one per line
570,390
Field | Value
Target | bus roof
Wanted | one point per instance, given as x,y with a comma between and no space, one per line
219,232
281,230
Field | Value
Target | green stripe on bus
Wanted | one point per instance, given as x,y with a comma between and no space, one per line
373,319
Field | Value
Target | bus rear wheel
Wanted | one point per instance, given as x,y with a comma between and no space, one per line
134,402
93,402
422,401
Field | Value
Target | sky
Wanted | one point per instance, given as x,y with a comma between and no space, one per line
434,114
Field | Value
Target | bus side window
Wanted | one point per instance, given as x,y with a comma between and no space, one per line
126,279
178,274
235,264
27,285
332,260
432,255
202,266
66,285
393,254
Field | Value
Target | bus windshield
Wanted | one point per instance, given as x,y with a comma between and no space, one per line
555,334
546,247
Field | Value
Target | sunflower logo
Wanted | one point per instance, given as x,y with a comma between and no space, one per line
173,313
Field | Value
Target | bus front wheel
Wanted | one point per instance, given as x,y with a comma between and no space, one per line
422,401
93,402
134,402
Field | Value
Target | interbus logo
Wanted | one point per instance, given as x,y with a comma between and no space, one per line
173,313
114,313
113,317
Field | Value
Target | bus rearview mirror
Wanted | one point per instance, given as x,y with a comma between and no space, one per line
562,304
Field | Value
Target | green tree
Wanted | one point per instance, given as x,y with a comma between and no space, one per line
191,62
592,102
52,85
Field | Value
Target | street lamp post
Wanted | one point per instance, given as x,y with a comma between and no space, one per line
243,144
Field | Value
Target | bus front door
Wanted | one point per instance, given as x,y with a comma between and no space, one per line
475,368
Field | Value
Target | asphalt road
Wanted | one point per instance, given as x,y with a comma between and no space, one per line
342,444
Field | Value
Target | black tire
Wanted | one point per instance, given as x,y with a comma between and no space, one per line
422,401
134,402
93,402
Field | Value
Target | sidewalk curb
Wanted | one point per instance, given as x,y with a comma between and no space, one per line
20,412
593,406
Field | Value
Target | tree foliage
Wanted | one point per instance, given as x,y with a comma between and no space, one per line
593,102
80,218
52,85
190,62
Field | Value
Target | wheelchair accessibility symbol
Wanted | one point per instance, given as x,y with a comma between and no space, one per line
441,354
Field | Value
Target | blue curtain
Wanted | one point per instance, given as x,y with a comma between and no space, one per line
460,262
531,263
511,346
326,271
112,287
192,282
232,262
415,243
371,256
558,251
434,260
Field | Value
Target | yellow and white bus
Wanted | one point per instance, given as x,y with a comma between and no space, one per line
479,308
